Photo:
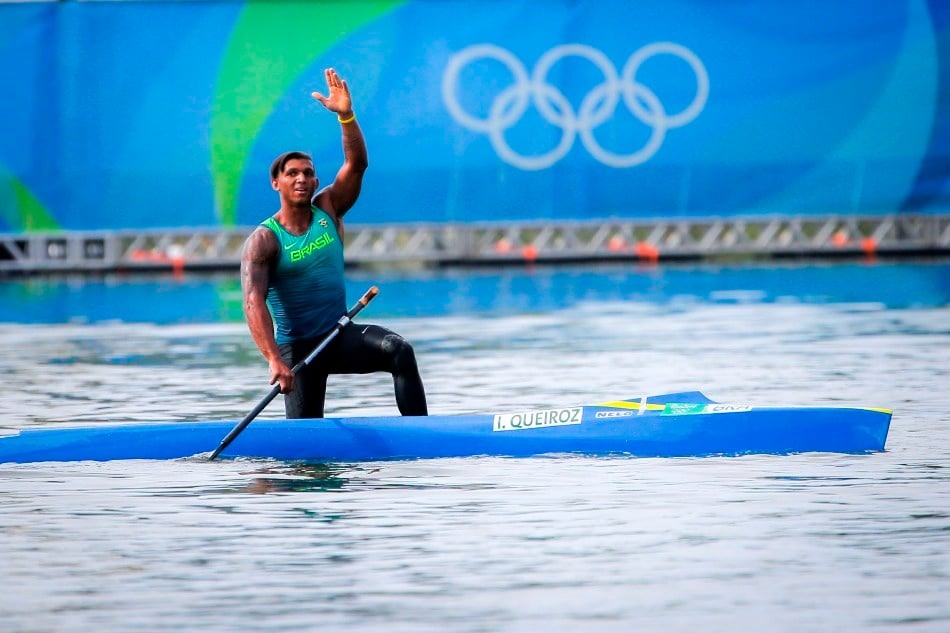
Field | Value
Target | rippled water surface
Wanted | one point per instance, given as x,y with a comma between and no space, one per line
810,542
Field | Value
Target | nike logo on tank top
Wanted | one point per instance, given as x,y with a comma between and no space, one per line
306,294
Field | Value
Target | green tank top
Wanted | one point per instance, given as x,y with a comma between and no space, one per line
306,293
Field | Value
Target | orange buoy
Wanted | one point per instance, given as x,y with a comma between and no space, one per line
840,238
647,251
503,246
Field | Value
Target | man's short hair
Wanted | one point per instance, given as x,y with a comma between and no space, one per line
277,167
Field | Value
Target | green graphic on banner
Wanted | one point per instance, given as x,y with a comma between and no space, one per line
23,210
265,55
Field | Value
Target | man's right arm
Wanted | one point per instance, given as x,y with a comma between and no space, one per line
259,254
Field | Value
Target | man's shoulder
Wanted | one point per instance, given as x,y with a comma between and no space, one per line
317,210
268,222
265,230
323,202
262,243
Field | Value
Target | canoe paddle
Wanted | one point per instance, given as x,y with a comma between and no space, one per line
342,323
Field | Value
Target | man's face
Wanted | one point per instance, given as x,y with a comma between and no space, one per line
298,182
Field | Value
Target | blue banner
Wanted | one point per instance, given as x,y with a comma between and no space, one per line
168,114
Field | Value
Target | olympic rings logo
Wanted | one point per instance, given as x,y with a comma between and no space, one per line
597,106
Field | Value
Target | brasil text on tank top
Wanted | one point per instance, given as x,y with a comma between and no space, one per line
306,293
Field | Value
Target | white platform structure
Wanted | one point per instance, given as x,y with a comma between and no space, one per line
495,243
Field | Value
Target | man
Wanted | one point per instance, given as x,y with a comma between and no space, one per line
293,263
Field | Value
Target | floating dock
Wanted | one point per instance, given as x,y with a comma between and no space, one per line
447,244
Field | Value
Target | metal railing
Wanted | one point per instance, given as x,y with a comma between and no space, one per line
515,242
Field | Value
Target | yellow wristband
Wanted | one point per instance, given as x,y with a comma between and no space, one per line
349,120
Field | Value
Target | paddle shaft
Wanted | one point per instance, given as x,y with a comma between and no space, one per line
342,323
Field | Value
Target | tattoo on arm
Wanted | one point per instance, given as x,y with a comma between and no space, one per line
260,251
346,187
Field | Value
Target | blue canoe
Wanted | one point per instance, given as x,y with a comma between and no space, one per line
671,425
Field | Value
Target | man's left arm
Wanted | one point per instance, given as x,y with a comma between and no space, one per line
340,195
345,188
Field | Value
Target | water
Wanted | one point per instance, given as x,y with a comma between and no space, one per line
811,542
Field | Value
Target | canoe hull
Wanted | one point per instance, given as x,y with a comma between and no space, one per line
673,425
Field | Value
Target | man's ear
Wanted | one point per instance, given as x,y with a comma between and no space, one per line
273,183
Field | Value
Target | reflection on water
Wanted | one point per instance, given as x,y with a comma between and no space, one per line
812,542
295,478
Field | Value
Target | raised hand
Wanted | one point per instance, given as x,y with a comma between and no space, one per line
338,100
